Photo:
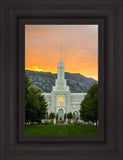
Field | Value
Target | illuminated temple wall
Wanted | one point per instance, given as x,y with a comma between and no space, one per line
71,101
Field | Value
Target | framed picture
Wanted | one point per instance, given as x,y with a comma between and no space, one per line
21,137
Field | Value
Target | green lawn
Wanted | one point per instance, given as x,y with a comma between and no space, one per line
73,129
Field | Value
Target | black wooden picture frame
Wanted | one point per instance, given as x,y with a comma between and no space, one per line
108,14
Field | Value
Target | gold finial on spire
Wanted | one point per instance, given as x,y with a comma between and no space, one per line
60,45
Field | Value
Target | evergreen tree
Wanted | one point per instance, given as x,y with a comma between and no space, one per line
89,106
35,104
42,113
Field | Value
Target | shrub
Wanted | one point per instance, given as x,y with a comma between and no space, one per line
49,121
69,115
52,115
69,121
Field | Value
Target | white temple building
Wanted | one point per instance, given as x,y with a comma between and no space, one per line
61,101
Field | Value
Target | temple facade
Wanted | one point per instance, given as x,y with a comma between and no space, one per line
61,101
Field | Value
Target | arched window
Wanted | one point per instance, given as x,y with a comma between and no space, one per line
75,115
60,101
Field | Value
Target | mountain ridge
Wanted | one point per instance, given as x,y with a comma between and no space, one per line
46,80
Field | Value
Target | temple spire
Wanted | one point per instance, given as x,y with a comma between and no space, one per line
60,52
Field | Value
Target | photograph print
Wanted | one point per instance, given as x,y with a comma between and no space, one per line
61,80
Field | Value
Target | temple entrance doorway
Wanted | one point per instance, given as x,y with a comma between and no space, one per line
60,115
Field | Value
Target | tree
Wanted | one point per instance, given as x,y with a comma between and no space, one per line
89,106
27,91
42,107
47,115
32,105
52,115
27,85
35,104
69,115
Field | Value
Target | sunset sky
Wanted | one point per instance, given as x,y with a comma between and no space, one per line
79,48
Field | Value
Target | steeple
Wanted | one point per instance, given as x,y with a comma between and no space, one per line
60,83
60,52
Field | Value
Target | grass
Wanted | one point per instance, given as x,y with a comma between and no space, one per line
81,129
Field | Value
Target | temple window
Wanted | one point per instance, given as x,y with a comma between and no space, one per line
60,101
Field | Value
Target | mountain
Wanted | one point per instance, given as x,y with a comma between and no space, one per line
46,80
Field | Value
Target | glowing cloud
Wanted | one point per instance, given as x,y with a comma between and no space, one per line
34,68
